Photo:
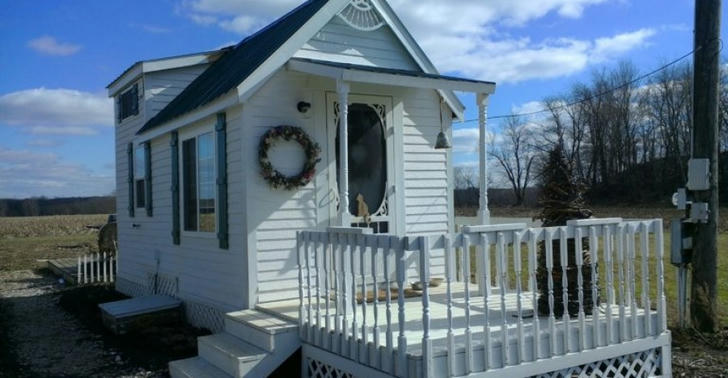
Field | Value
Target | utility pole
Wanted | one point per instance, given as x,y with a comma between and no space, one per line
703,292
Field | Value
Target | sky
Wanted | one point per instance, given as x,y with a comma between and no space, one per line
56,58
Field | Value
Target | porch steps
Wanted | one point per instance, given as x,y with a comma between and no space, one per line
253,344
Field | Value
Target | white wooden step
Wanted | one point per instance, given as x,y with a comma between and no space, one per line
261,329
230,354
195,367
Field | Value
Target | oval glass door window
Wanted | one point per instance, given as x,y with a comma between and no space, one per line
367,157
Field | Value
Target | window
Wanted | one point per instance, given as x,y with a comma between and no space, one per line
198,183
140,176
129,103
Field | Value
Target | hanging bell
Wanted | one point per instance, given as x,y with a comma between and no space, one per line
442,141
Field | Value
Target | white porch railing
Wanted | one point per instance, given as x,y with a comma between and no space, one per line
95,267
354,289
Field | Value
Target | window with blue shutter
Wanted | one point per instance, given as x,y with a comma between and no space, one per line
222,194
174,147
130,176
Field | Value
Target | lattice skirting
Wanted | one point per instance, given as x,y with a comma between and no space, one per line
319,369
197,314
646,363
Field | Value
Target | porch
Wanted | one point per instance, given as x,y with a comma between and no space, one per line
485,325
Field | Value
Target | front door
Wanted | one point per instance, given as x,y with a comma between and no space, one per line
371,168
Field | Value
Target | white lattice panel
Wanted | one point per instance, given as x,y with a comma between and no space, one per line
204,316
130,288
641,364
163,284
318,369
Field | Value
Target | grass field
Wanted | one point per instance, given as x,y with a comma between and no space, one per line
24,240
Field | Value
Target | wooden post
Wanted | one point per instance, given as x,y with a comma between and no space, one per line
703,292
483,212
342,90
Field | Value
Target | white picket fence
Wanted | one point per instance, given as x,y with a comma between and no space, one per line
96,267
340,267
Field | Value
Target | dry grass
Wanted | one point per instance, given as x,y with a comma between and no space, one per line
24,240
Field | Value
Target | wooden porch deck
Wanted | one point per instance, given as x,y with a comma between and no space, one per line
413,329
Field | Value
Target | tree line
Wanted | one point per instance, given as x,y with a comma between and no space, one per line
57,206
628,140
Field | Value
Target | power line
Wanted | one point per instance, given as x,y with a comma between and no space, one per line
623,85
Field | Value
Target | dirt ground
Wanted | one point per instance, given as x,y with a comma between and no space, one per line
48,330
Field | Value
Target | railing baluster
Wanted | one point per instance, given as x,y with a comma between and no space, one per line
337,252
517,239
78,270
449,265
387,277
487,342
662,307
632,261
346,251
103,265
354,339
320,241
623,300
401,339
564,257
374,351
594,257
302,326
468,331
579,250
424,251
645,249
501,260
532,264
550,269
364,335
85,269
328,252
607,237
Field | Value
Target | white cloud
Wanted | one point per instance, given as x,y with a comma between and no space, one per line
466,140
44,142
476,45
149,28
26,173
57,111
50,46
604,48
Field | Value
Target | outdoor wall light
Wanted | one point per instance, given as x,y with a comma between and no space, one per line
443,142
303,106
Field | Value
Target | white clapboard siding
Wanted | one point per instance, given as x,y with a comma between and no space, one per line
338,42
161,87
274,216
204,273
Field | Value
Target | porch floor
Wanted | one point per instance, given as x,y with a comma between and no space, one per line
439,322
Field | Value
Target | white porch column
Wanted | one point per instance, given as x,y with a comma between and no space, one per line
342,89
483,212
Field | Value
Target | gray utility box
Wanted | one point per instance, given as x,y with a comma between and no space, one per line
680,246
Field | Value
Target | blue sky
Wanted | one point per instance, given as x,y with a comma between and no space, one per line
56,57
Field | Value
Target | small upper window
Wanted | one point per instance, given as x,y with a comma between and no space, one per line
129,103
140,176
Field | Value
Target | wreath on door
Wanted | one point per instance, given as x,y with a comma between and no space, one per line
288,133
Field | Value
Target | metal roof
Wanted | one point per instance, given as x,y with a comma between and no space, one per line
391,71
235,65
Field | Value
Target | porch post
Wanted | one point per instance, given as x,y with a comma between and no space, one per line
483,212
342,89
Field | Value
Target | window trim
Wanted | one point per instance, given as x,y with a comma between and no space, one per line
120,115
184,136
139,151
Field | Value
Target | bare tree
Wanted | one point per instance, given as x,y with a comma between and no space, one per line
515,155
465,177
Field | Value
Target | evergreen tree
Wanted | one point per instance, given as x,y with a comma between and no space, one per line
562,199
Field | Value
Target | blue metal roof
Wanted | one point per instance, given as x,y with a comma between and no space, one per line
236,64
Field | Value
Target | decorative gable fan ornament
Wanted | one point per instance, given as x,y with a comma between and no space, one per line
361,15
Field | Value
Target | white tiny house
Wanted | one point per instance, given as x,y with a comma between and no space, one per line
274,184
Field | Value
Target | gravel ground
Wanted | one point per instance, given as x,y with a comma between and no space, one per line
42,340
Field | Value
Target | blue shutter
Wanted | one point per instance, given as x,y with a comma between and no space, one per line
222,194
130,178
148,177
175,187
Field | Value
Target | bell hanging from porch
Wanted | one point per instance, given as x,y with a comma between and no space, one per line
442,141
